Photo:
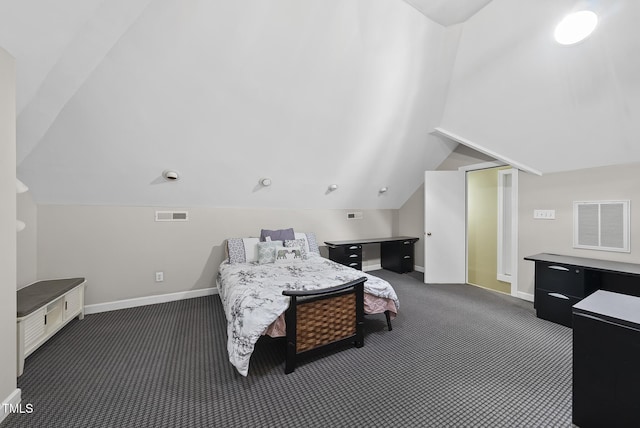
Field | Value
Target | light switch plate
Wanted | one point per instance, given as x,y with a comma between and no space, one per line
544,214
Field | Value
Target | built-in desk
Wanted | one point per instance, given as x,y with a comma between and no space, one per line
396,252
562,281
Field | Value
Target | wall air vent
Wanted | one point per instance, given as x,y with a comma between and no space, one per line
172,216
355,216
602,225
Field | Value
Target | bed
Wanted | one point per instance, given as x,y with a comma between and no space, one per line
252,296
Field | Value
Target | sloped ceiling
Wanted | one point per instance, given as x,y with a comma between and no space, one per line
111,93
516,92
307,93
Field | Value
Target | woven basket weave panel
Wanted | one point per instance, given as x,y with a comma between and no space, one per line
324,321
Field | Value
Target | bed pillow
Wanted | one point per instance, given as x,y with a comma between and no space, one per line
242,250
288,255
235,249
311,244
267,251
277,235
298,243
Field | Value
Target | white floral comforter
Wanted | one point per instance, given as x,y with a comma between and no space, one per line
252,297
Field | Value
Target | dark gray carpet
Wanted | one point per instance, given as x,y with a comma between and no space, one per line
457,356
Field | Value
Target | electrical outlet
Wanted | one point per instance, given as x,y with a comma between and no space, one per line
159,276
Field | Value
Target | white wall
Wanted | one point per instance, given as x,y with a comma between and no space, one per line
411,214
7,229
27,211
119,249
558,191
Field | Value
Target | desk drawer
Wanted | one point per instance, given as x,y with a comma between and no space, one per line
397,256
555,307
348,255
564,279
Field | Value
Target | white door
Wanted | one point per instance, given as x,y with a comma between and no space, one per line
445,227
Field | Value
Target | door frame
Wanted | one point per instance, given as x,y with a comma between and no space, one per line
514,222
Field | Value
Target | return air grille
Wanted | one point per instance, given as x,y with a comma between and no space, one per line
172,216
601,225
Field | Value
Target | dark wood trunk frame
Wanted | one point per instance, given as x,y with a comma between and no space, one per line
350,315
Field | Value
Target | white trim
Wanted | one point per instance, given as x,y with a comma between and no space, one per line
524,296
481,165
371,267
464,141
14,398
419,268
504,278
515,188
148,300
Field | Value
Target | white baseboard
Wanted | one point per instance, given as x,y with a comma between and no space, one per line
419,268
371,267
524,296
14,398
148,300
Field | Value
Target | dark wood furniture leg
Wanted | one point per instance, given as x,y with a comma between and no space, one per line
388,315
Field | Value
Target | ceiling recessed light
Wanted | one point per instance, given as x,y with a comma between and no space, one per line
575,27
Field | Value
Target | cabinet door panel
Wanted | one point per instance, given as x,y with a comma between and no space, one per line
72,303
34,329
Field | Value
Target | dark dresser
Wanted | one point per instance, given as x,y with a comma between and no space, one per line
396,253
606,352
562,281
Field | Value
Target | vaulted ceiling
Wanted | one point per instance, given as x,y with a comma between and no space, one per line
307,93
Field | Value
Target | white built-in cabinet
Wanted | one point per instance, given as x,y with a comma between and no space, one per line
43,309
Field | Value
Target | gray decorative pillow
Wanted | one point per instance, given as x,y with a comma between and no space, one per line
277,235
267,251
297,243
235,247
313,243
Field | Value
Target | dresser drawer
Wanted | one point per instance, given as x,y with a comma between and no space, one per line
564,279
555,307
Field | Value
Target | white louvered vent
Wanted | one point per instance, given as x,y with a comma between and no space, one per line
601,225
172,216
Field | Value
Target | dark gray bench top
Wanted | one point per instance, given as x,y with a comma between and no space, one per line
39,293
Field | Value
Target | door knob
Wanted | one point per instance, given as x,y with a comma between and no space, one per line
428,233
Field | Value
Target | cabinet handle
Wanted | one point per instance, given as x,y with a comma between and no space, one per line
353,264
45,319
559,268
65,305
558,295
407,242
353,255
407,257
353,247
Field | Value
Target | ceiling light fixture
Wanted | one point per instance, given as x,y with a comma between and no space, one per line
383,189
333,187
21,187
170,175
265,182
575,27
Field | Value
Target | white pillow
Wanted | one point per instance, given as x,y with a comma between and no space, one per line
251,249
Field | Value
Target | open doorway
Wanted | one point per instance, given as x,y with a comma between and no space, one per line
484,221
446,246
